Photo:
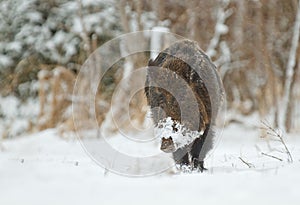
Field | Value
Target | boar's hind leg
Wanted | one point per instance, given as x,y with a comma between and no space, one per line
197,162
181,156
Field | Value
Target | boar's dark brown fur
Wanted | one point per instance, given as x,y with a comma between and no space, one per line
182,83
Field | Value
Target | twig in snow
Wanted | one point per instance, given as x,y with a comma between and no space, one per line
268,155
247,163
279,137
105,171
2,148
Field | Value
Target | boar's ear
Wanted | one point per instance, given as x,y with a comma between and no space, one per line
163,138
170,138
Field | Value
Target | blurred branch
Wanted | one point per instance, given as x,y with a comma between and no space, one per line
139,10
84,35
290,69
220,28
124,17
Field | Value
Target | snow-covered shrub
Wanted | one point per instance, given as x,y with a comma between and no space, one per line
16,117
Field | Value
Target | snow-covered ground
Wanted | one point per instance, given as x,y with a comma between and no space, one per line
44,168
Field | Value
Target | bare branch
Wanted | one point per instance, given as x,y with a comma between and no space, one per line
84,34
290,68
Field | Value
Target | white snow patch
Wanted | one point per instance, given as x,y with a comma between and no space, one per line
14,46
221,28
9,106
5,60
34,17
181,137
43,74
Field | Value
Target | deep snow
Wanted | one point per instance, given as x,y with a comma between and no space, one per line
44,168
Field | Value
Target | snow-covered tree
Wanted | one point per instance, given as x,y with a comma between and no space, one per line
51,32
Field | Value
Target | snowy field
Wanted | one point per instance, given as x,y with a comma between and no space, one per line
44,168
